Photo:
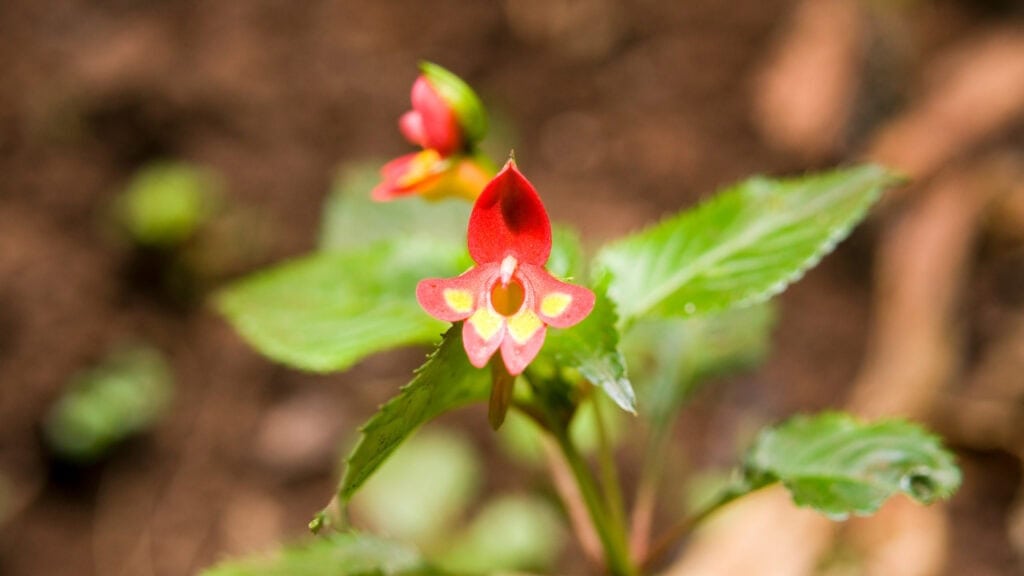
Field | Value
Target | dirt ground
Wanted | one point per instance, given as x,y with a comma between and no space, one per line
622,112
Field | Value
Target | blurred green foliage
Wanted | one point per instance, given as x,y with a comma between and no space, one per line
166,203
125,395
512,533
335,555
351,220
420,493
671,357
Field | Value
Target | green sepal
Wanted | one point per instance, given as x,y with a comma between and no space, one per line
468,108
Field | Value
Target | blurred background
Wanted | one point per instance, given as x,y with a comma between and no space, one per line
153,150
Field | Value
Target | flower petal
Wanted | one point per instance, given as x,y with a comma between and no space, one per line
524,339
557,303
482,333
454,299
464,179
411,126
409,174
509,219
440,127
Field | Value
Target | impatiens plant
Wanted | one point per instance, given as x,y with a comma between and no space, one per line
538,333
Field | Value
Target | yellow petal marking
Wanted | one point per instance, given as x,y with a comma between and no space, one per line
423,165
486,323
460,301
523,326
554,304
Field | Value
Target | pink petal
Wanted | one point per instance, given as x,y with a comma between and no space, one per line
509,219
411,126
440,127
482,334
517,356
557,303
454,299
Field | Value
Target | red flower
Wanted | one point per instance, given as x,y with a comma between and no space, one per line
431,123
508,299
429,175
446,120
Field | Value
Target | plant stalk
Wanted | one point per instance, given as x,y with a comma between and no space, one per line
609,471
612,537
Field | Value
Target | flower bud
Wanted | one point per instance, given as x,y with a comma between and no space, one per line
461,100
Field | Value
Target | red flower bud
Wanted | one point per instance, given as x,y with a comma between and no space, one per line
446,120
431,124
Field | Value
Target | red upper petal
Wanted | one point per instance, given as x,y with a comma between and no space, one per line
509,219
438,128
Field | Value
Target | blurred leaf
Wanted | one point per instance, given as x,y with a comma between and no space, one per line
566,260
423,488
511,533
703,487
672,356
584,429
838,466
335,555
166,203
592,348
329,310
741,247
445,382
502,133
123,396
519,437
352,220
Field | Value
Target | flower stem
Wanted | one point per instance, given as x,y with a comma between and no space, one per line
609,472
647,493
611,535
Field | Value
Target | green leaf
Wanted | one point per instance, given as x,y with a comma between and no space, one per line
329,310
165,203
125,395
592,348
838,465
420,492
335,555
566,259
468,108
673,356
445,382
585,430
741,247
352,220
512,533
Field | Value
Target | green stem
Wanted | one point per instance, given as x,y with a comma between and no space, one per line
612,537
609,472
647,490
611,533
